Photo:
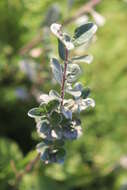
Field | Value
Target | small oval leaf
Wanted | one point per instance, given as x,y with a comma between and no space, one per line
55,118
63,37
54,94
61,50
73,72
85,58
52,105
85,93
37,112
57,70
84,33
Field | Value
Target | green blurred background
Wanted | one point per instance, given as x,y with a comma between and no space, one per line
98,160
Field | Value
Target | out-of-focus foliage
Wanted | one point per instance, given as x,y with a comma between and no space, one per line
98,159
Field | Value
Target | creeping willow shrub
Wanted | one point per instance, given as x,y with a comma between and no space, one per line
57,118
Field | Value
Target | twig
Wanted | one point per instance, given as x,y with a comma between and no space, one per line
27,169
85,9
37,39
31,44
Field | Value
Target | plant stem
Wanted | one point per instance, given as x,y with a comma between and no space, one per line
27,169
64,75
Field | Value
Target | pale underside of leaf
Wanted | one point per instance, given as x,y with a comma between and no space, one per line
84,33
85,103
41,147
73,72
67,113
75,91
85,58
57,70
45,98
54,94
63,37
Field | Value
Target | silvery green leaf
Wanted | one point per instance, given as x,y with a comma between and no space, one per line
85,103
84,33
70,133
45,98
56,30
53,155
71,78
37,112
43,108
57,70
63,37
41,147
61,50
89,102
55,95
52,105
74,131
77,126
75,108
73,71
43,128
82,104
55,118
85,58
74,92
71,104
67,113
85,93
68,104
78,86
45,157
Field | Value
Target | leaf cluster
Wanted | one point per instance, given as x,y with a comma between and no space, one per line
56,117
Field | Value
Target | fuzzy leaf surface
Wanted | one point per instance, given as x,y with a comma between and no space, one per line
85,58
84,33
57,70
